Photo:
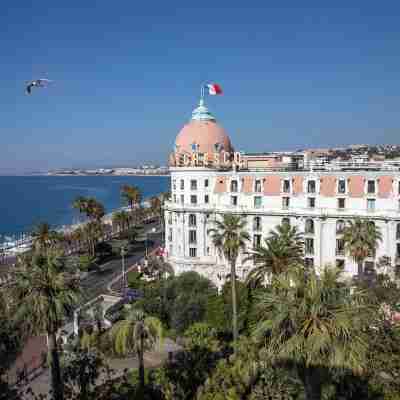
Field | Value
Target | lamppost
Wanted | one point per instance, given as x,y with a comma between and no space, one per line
123,252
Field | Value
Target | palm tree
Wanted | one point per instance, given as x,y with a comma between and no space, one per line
45,294
229,238
136,334
89,206
80,204
283,249
121,219
131,195
43,237
156,206
314,322
361,239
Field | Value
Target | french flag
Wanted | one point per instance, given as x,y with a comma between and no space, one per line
214,89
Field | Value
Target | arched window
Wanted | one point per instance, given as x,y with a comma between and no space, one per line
309,227
257,223
192,219
398,231
340,225
285,221
234,186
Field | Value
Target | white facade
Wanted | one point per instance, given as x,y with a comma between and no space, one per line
196,202
266,189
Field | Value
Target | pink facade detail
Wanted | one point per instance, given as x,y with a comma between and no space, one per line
385,185
328,186
356,186
272,185
220,185
248,184
298,185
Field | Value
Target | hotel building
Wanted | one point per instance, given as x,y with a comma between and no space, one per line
208,179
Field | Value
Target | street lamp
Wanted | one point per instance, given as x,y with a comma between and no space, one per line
123,252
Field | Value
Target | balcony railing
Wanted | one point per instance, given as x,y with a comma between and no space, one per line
340,252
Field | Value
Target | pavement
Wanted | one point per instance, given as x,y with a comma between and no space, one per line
153,359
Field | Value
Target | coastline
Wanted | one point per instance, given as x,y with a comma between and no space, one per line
130,175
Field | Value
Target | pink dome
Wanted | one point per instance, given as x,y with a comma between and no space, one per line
205,136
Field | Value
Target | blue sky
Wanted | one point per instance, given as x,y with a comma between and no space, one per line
127,76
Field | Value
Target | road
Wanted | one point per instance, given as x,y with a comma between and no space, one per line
96,283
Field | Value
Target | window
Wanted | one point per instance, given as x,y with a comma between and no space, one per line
398,251
340,264
192,219
309,263
398,231
257,187
174,184
285,221
234,186
205,182
339,247
182,184
234,201
341,204
309,246
193,184
170,235
257,201
256,241
285,202
311,187
370,204
193,199
170,250
286,186
192,252
340,225
309,226
369,268
195,146
170,218
341,186
208,250
371,186
174,198
192,237
206,198
257,223
311,202
182,199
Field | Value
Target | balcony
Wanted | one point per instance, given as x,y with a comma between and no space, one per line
340,252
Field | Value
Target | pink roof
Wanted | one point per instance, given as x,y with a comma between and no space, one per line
272,185
205,134
220,184
328,186
247,186
385,185
298,185
356,186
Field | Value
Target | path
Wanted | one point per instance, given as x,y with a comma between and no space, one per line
41,384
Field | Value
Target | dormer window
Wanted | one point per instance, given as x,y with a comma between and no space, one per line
195,147
217,147
177,148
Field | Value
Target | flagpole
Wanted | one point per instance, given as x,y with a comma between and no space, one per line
202,94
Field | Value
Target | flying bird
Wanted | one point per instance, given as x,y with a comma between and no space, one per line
36,83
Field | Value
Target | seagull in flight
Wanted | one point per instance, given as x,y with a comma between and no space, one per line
36,83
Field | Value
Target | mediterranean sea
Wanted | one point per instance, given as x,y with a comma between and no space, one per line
28,200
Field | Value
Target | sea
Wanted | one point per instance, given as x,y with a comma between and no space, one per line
28,200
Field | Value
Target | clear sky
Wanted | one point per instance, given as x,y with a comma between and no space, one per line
128,73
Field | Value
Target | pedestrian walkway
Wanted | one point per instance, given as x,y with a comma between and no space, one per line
154,359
